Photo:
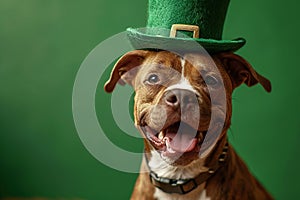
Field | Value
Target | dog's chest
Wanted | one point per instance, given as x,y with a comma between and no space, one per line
162,169
194,195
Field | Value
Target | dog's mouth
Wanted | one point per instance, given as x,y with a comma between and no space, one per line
176,138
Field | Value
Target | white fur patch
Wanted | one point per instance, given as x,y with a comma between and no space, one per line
203,196
183,83
182,67
193,195
163,169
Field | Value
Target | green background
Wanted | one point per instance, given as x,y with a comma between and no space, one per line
43,43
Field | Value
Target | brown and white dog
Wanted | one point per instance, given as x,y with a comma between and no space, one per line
183,109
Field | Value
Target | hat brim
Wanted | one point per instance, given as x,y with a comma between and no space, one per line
141,40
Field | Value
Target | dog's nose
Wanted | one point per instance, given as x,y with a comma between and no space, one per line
180,97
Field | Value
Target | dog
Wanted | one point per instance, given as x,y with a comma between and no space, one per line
183,109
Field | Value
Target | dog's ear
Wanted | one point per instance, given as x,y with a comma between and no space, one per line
125,69
241,71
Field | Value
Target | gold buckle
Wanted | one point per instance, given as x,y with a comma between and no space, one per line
184,27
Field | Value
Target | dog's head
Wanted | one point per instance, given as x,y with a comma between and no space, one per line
183,103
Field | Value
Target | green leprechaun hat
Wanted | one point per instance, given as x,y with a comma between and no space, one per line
201,20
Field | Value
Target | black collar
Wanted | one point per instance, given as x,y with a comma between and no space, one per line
183,186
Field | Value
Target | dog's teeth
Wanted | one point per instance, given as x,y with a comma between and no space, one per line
161,135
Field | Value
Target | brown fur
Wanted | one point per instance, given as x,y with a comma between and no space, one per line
231,181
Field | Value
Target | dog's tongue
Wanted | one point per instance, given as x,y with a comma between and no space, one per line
181,142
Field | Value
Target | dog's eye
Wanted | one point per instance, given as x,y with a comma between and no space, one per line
153,79
211,80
